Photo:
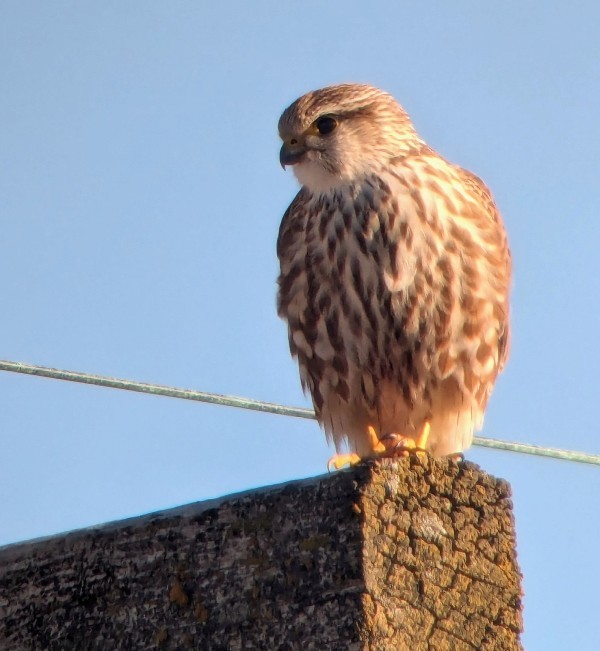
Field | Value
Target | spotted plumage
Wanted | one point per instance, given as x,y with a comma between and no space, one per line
395,274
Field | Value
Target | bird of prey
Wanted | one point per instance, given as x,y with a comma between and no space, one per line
394,281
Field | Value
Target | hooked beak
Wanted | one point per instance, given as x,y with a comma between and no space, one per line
290,154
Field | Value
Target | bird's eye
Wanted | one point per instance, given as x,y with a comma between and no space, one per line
326,125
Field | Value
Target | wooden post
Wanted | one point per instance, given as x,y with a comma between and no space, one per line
406,555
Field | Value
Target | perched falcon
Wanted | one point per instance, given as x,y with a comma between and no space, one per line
395,275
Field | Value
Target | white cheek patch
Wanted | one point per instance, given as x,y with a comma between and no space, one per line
313,176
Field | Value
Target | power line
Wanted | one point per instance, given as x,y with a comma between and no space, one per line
257,405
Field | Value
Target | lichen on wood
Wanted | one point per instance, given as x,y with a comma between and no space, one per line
412,554
439,559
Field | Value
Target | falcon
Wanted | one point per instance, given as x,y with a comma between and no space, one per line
394,278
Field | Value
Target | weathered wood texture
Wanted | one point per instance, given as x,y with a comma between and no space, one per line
411,555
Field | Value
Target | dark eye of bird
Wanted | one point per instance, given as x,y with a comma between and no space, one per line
326,125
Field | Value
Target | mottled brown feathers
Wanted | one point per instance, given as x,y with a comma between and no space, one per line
395,274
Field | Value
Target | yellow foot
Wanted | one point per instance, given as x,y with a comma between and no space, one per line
402,446
391,445
377,447
421,440
338,461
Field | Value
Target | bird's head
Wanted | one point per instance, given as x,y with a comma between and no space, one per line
336,134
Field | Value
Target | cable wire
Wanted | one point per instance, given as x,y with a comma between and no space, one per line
268,407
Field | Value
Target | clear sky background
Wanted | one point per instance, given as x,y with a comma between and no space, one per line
140,198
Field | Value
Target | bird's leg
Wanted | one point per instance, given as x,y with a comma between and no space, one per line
402,446
390,445
376,446
421,440
338,461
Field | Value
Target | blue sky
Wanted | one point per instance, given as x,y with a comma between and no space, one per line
140,197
